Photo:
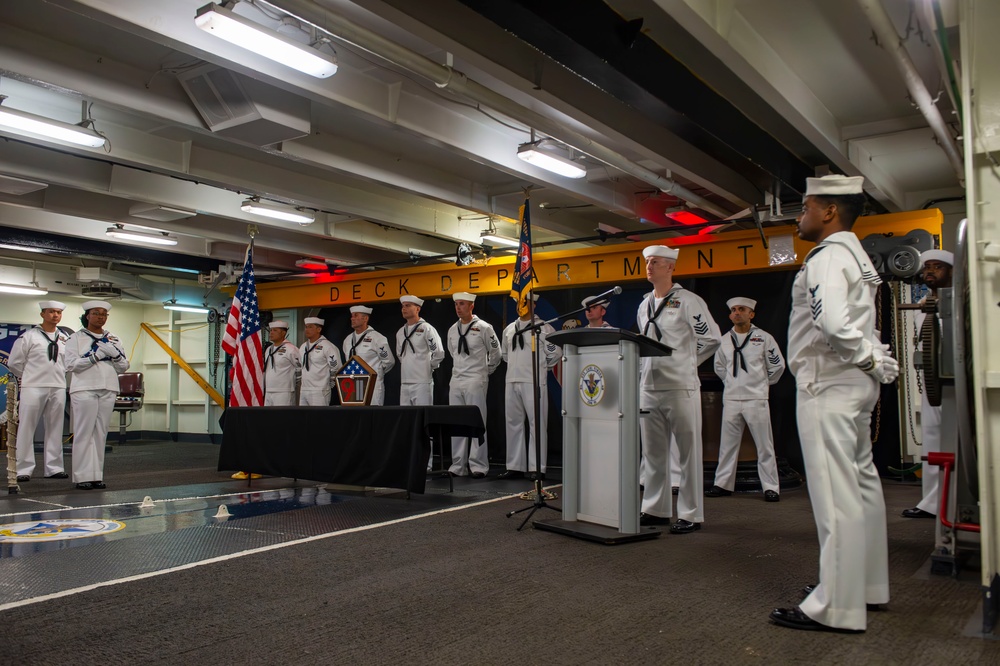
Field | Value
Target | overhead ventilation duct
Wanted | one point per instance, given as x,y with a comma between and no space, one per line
102,283
101,290
241,108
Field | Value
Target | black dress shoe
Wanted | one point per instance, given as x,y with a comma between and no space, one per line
794,618
511,474
717,491
479,475
648,520
97,485
684,527
771,496
85,486
674,489
21,478
58,475
907,513
875,608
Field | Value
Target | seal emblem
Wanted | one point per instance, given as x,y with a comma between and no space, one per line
591,385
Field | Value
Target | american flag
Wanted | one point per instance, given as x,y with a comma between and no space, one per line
242,341
353,368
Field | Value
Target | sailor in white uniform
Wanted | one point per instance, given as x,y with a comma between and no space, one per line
94,359
475,353
320,361
748,362
519,393
838,364
38,360
937,275
420,352
282,366
671,392
372,347
597,309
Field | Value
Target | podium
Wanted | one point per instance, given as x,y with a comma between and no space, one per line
600,411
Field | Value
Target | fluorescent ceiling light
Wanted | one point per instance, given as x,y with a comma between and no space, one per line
500,240
180,307
262,40
552,156
278,211
162,238
21,248
22,122
26,291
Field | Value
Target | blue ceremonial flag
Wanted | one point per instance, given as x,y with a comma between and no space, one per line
524,273
353,368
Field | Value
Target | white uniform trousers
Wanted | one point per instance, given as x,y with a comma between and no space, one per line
757,416
468,450
92,412
674,412
312,398
279,398
846,496
48,405
520,402
930,477
415,395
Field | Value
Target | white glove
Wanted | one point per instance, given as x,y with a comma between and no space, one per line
882,366
108,349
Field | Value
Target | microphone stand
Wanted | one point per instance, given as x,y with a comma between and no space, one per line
536,328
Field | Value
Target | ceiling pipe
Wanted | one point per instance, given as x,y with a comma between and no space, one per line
889,38
444,76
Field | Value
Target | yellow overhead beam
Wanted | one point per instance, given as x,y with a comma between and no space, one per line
701,255
198,379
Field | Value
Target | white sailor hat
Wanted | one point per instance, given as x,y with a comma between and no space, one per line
660,251
314,320
464,296
739,300
411,299
591,301
51,305
277,323
361,309
90,305
938,255
835,185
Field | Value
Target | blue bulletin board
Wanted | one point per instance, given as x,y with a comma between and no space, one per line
8,333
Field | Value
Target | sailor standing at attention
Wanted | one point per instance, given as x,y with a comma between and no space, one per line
282,366
748,362
94,358
320,361
597,308
475,353
372,347
838,364
671,392
420,352
38,360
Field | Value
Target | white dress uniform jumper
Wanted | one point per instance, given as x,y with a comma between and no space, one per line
420,353
748,364
320,361
373,348
94,363
38,359
831,332
475,352
281,370
519,393
671,392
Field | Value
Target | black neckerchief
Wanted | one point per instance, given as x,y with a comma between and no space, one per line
355,342
406,339
519,336
463,344
53,345
651,315
738,351
305,357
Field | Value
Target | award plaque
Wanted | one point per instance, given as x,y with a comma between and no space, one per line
356,382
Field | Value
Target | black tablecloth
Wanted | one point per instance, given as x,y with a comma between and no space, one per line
359,446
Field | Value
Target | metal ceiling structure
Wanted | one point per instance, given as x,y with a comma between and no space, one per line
708,108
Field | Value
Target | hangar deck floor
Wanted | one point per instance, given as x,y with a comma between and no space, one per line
304,572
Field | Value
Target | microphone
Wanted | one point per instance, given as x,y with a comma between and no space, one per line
614,291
